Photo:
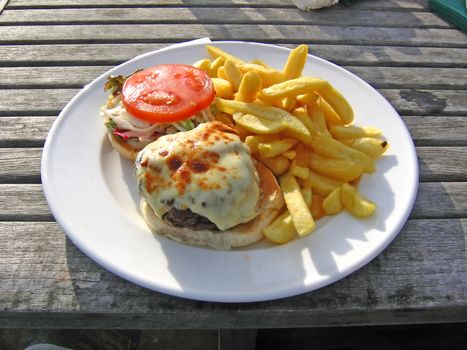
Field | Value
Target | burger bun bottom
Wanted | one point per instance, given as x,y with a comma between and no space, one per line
240,235
122,147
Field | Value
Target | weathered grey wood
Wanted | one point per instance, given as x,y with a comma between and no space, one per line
112,54
431,130
407,101
417,285
223,15
379,77
370,4
14,161
24,131
425,130
260,32
414,58
436,164
435,200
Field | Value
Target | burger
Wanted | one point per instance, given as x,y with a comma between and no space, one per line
153,102
202,187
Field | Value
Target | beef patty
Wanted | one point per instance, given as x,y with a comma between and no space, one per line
186,218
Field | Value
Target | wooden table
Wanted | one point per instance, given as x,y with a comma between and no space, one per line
49,49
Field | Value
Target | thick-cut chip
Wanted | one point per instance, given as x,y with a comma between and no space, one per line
372,147
274,148
330,114
295,128
302,115
344,132
292,88
215,52
214,66
203,64
281,230
258,125
268,76
232,73
339,169
332,204
295,62
307,194
355,202
301,214
249,87
253,141
331,148
223,87
319,122
322,185
278,164
317,207
338,103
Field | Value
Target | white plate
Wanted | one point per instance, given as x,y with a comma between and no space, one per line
92,194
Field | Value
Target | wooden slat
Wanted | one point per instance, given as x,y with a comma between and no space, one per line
24,131
379,77
223,15
425,130
112,54
407,102
260,32
25,202
425,283
435,163
361,4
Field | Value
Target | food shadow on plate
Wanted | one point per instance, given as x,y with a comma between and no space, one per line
355,229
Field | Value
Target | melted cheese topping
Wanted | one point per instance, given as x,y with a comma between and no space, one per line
207,170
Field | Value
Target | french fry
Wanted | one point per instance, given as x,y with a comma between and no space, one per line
232,73
339,169
302,114
268,76
356,203
338,103
292,88
308,99
344,132
299,166
249,87
317,207
331,148
301,214
253,141
320,184
299,171
332,118
278,164
281,230
258,125
295,128
214,66
332,204
222,87
274,148
221,73
307,194
290,154
203,64
216,52
372,147
295,62
319,122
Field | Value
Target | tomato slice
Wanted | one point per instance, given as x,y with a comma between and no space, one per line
167,93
